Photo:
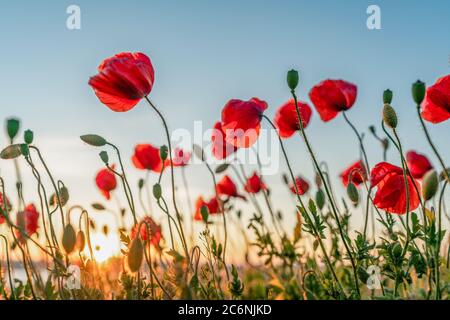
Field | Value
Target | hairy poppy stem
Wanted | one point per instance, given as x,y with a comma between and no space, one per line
318,237
430,142
438,249
174,198
327,190
8,264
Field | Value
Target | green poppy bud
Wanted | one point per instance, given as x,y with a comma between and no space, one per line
387,96
397,250
93,140
135,255
69,239
12,127
28,136
24,150
104,156
204,211
140,183
390,116
157,191
320,199
163,152
418,91
292,79
430,184
352,193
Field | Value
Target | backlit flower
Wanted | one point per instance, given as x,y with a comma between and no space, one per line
150,230
332,96
418,164
106,181
27,221
436,106
286,119
391,190
356,171
123,80
220,148
241,121
227,187
302,186
254,184
147,157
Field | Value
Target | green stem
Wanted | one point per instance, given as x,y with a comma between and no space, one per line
8,263
327,190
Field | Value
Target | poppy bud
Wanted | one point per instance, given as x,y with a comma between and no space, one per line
352,193
157,192
93,140
387,96
430,184
397,250
104,156
105,230
320,199
140,183
63,195
204,211
318,180
135,255
163,152
390,116
373,130
418,91
81,241
24,150
10,152
12,127
69,239
292,79
28,136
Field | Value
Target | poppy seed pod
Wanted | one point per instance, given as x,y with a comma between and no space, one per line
387,96
81,241
418,92
430,184
390,116
69,239
28,136
135,255
292,79
12,127
352,193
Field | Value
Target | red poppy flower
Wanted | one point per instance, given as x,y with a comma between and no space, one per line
241,121
391,192
181,158
254,184
228,188
302,186
27,221
147,157
2,207
436,105
358,174
151,226
418,164
212,205
123,80
286,119
220,148
332,96
106,181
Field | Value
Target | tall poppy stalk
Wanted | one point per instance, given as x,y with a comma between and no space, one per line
292,83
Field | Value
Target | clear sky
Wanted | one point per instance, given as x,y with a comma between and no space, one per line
205,53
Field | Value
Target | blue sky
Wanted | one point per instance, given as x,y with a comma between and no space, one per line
205,53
